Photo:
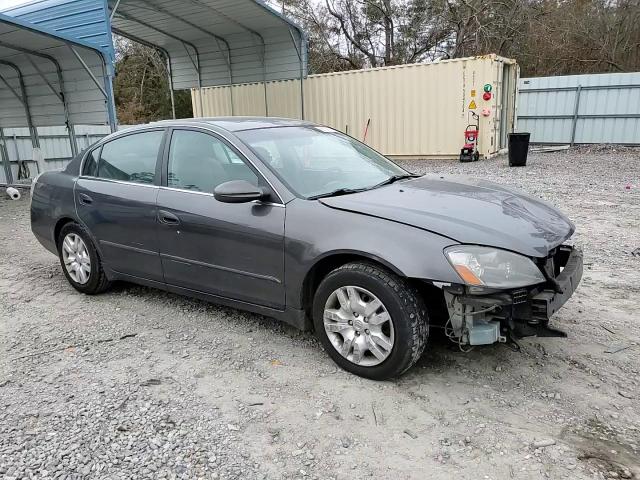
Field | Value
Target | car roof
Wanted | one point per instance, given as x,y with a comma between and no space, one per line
237,124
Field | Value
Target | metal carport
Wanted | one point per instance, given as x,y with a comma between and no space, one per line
206,43
49,79
216,42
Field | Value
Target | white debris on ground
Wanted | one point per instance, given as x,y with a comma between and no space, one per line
137,383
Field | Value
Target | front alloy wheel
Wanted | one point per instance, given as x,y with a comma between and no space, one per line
370,321
358,326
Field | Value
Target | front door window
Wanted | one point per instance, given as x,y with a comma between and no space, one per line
200,162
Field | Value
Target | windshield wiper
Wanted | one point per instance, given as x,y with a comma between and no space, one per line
395,178
346,191
338,192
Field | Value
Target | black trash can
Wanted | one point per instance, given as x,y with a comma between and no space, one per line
518,149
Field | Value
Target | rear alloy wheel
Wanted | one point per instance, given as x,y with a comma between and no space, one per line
371,322
75,258
80,261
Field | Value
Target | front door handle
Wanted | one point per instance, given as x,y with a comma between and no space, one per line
168,218
85,199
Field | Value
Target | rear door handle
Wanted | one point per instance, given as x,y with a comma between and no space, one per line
85,199
168,218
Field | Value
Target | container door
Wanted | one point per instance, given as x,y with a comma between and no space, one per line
507,103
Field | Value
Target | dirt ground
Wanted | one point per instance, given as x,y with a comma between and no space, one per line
137,383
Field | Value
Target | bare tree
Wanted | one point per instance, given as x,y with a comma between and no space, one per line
547,37
389,33
141,85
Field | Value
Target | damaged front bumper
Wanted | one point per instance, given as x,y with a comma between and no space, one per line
484,317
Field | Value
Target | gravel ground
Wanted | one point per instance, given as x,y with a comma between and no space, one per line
137,383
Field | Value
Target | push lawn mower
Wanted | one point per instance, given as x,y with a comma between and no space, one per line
469,152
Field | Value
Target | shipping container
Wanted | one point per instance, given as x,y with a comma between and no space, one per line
412,111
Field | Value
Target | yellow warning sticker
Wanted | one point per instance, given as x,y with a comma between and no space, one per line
472,105
473,93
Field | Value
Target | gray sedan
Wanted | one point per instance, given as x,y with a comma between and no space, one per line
299,222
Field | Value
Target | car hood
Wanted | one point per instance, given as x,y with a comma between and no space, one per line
466,210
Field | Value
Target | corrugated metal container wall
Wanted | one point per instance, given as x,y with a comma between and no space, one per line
603,108
415,110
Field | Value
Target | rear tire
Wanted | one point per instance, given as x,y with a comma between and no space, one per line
80,261
370,321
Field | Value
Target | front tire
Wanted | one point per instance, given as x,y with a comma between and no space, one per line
370,321
80,261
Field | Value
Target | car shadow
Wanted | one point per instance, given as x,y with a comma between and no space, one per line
441,356
174,300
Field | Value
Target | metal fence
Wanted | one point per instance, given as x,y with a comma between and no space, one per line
579,109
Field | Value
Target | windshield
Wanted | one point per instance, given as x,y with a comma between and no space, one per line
315,161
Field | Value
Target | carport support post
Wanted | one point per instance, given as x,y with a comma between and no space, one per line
107,90
4,155
110,98
228,60
576,108
35,141
173,99
299,52
264,79
22,98
71,131
230,80
70,127
197,67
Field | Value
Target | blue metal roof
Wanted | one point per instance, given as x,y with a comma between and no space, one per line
209,42
84,20
206,42
51,78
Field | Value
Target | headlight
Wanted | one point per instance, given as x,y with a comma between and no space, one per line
491,267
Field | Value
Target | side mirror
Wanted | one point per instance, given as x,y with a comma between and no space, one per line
238,191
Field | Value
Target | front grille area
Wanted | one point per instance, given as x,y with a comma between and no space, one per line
520,296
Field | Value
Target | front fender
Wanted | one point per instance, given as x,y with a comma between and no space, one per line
314,231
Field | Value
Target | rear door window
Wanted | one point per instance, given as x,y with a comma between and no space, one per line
90,167
131,158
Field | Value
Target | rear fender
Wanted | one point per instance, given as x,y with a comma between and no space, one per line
53,201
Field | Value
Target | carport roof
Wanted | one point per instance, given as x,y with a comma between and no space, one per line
47,78
215,42
206,42
209,42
